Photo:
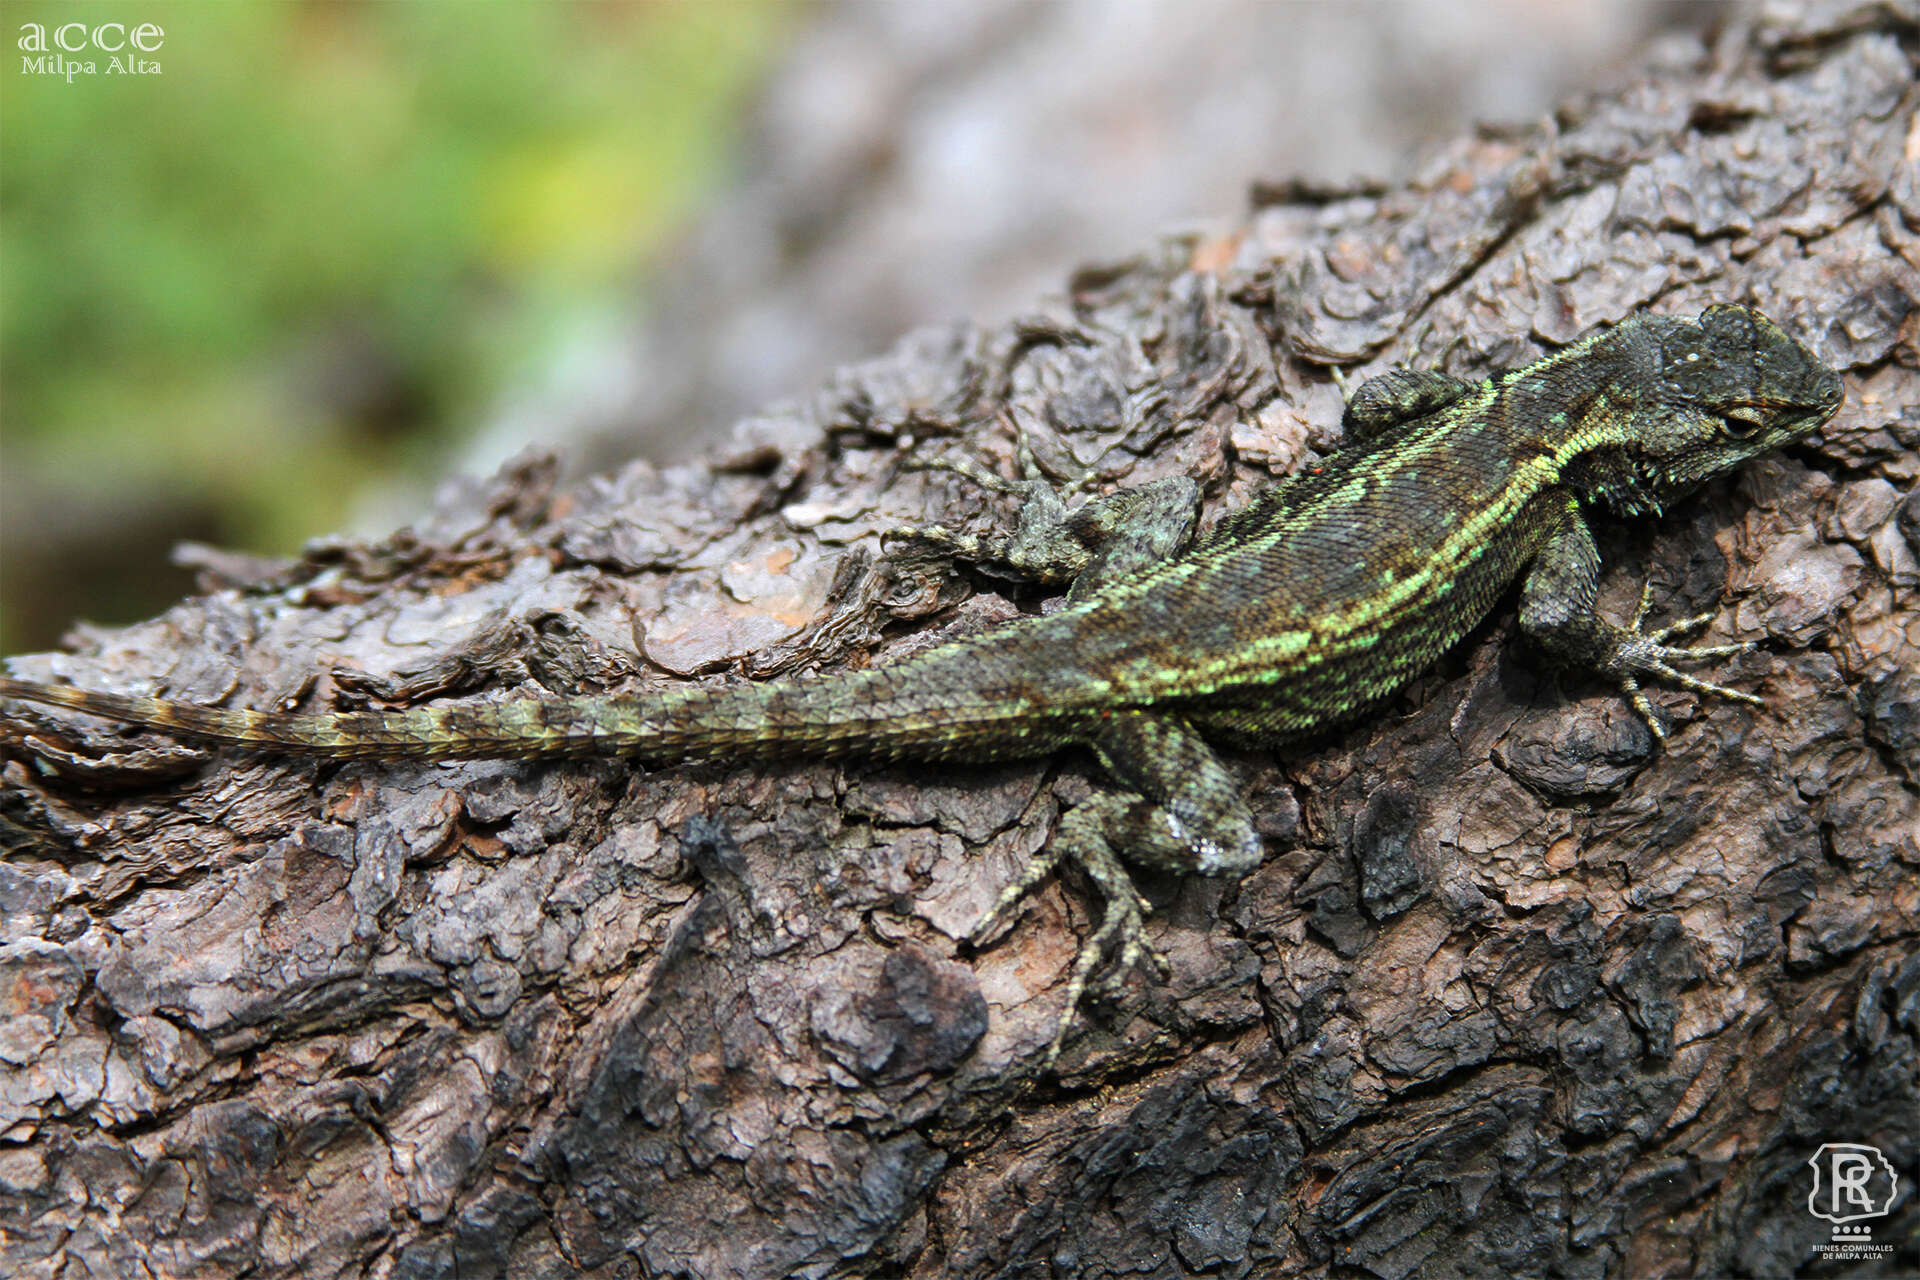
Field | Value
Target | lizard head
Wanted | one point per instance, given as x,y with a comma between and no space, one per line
1710,393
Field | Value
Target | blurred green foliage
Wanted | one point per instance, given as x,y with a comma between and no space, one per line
325,235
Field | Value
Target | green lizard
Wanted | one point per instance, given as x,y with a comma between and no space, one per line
1312,604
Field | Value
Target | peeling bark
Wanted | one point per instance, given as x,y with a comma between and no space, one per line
1511,993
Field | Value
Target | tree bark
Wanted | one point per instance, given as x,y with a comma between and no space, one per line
1513,992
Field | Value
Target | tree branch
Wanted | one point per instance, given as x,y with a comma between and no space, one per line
1511,992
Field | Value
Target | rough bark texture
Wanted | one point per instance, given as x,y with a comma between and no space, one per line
1512,993
897,168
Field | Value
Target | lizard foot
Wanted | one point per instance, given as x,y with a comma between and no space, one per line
1101,541
1118,944
1648,654
1040,546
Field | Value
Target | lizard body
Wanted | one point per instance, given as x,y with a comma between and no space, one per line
1320,599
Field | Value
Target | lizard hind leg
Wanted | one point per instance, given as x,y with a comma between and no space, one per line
1397,397
1119,942
1181,810
1101,541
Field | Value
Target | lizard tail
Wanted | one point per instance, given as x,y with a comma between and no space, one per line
735,722
522,728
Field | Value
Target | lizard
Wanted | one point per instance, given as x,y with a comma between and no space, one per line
1306,608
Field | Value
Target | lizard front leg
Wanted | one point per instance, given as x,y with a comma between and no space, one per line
1557,611
1180,809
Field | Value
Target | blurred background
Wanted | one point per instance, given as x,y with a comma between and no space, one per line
326,252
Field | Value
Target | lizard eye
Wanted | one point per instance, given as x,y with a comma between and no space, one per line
1743,420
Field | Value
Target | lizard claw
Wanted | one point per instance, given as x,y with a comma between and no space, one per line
963,546
1007,905
1110,952
1032,486
1648,654
967,469
1644,709
1666,633
1640,610
1116,946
